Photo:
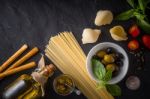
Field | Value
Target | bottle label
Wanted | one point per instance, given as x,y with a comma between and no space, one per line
40,79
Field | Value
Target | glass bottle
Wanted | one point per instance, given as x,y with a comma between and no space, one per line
29,86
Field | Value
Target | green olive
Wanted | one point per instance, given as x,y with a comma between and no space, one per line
61,81
111,67
101,53
104,62
109,58
113,55
61,88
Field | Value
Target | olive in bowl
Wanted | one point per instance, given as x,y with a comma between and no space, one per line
113,57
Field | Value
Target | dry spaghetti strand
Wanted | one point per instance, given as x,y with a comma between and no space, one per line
65,52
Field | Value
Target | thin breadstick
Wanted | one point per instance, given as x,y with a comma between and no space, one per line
24,58
13,58
17,69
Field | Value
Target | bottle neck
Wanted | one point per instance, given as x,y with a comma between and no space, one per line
46,71
42,75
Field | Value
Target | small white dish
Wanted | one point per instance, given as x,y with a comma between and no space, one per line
104,45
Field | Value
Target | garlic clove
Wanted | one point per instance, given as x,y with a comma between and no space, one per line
103,17
90,35
41,63
118,33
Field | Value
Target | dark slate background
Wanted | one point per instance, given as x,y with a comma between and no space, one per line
34,21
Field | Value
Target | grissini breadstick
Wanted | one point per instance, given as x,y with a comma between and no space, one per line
24,58
13,57
17,69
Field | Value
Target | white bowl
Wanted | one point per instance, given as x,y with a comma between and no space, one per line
123,69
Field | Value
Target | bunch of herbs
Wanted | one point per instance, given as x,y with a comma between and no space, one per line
138,11
104,76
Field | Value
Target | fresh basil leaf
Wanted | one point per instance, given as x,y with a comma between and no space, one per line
144,25
101,85
98,69
131,3
143,4
114,90
108,76
126,15
139,16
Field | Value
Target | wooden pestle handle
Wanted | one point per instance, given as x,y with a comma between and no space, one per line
24,58
17,69
13,58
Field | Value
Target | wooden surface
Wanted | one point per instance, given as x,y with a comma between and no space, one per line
35,21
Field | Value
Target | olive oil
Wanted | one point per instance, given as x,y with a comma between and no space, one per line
29,86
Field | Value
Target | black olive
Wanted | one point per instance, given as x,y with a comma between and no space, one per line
109,50
96,57
117,69
119,63
115,73
119,56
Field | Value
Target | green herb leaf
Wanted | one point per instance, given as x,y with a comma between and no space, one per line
131,3
126,15
144,25
98,69
114,90
143,4
100,72
101,85
139,16
108,76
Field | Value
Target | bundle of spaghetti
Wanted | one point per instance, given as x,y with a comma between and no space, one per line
65,52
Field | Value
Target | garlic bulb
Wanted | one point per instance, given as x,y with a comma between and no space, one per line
103,17
90,35
118,33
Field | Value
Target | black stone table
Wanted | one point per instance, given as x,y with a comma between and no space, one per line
35,21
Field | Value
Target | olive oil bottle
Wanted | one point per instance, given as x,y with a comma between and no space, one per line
29,86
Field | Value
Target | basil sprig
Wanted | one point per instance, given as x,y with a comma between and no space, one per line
138,12
99,69
104,76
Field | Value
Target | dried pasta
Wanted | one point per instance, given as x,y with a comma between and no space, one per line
65,52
